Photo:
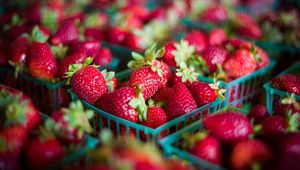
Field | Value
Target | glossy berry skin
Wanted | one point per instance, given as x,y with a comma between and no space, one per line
66,34
246,153
19,50
258,113
214,56
228,126
89,84
168,57
216,37
250,31
116,35
208,149
41,153
241,63
161,94
103,58
214,14
117,103
156,116
197,39
274,126
95,33
166,72
288,82
179,101
133,42
90,48
203,93
76,58
41,63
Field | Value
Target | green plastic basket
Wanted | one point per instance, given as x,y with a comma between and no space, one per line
204,26
244,90
273,94
46,96
124,127
275,49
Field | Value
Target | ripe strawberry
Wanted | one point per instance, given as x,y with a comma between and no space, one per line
250,31
184,75
3,55
244,19
287,106
214,14
168,57
249,152
95,33
155,117
13,139
118,103
41,62
196,39
72,123
87,82
133,42
16,31
111,80
179,101
90,48
9,161
288,82
66,34
214,56
75,58
258,113
116,35
204,146
241,63
203,93
228,126
103,58
43,152
217,37
161,94
274,126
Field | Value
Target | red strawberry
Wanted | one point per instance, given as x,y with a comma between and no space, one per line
258,113
3,55
16,31
214,14
228,126
287,106
41,153
9,161
168,57
204,146
111,80
241,63
249,152
95,33
103,58
66,34
87,82
13,138
73,123
274,126
244,19
197,39
217,37
90,48
116,35
133,42
214,56
41,62
155,117
203,93
117,103
161,94
179,101
288,82
76,58
250,31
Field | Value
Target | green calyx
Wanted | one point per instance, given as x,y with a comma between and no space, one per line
190,140
13,108
93,20
139,104
73,68
291,100
108,76
59,51
216,87
16,20
19,67
183,52
293,122
220,74
255,54
49,19
38,36
78,118
186,74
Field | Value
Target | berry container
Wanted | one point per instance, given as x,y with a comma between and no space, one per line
273,94
244,89
122,127
47,96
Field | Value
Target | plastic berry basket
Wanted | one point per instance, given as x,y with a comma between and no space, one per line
204,26
275,49
46,96
273,94
244,90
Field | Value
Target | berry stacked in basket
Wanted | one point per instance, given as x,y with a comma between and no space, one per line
26,141
256,140
289,83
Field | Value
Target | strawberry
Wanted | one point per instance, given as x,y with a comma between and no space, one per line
161,94
67,33
87,82
8,161
66,62
43,152
274,126
250,31
111,80
214,56
216,37
133,42
258,113
95,33
241,63
288,82
179,101
41,62
90,48
3,55
72,123
203,146
155,117
196,39
228,126
214,14
249,152
287,105
118,103
116,35
140,12
103,58
168,57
